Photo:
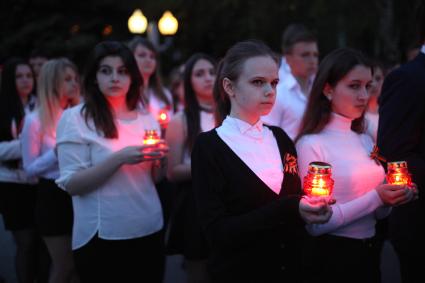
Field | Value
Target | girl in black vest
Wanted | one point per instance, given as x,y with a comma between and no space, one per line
245,176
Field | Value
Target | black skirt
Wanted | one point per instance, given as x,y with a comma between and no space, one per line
17,202
185,233
53,213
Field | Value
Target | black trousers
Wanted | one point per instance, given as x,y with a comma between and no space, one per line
338,259
411,264
135,260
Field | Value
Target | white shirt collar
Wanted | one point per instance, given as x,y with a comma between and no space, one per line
423,49
245,128
289,81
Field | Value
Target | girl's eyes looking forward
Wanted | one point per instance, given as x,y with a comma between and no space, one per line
261,82
106,70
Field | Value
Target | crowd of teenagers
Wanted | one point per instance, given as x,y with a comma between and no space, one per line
88,198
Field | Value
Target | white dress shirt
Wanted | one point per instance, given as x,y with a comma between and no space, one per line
11,150
156,105
256,146
126,205
290,103
38,154
207,123
372,120
355,174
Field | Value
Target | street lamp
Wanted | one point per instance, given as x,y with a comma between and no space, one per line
167,25
137,23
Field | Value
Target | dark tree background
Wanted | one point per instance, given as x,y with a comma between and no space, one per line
381,28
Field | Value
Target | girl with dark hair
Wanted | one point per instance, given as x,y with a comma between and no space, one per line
245,176
58,83
345,248
17,190
371,114
118,221
154,96
186,235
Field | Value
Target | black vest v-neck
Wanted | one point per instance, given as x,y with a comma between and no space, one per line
291,184
246,222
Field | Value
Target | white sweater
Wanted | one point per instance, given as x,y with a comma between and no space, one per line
356,176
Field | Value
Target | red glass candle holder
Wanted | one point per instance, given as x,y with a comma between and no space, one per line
151,137
318,182
398,173
163,118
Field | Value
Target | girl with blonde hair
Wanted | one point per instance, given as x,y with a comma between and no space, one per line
58,88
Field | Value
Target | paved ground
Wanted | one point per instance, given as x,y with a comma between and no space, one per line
174,272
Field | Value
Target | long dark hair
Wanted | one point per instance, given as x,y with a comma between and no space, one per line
155,82
332,69
192,108
231,67
11,107
96,106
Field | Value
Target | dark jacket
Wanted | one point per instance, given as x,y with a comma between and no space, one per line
401,136
254,233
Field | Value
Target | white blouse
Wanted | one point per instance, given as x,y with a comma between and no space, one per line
11,150
156,105
256,146
207,123
290,105
126,206
372,120
355,174
38,155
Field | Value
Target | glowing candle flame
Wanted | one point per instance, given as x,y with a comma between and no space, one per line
398,173
163,116
151,137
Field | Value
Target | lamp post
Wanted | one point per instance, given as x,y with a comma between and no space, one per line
137,23
167,26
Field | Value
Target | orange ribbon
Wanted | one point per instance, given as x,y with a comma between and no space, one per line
290,164
376,156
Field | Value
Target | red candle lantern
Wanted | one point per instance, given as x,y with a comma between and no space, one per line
398,173
163,118
151,137
318,181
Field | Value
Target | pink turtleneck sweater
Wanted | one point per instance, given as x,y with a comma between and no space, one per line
356,176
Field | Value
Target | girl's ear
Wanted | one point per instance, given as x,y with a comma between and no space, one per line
228,87
328,91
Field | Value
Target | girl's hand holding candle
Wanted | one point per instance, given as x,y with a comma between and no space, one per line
153,146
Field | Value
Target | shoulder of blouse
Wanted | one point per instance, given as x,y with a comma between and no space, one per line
70,117
308,141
